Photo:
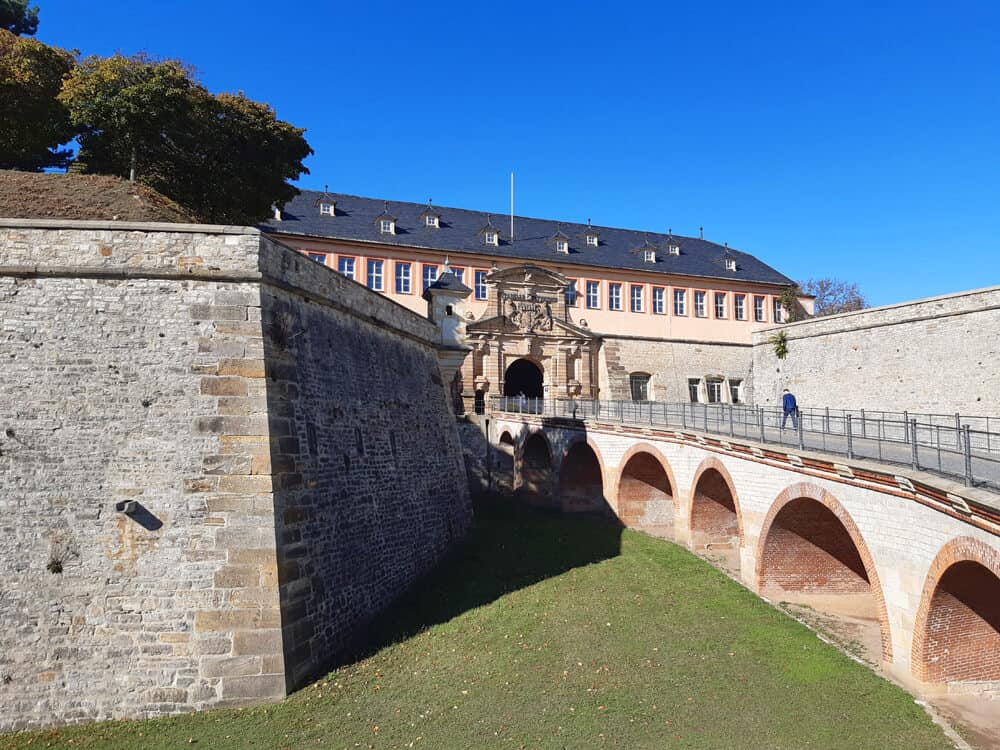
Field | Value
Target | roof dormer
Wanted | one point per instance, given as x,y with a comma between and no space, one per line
490,235
385,222
559,242
430,218
647,250
729,259
326,204
671,246
591,236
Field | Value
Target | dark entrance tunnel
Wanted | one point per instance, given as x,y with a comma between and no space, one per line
523,377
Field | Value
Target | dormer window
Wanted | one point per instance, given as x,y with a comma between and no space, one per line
326,209
673,249
591,240
562,246
730,264
649,256
431,221
491,238
387,226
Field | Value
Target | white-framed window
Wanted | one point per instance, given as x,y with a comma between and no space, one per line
635,298
614,296
459,273
404,277
326,209
740,306
386,226
658,301
376,276
431,221
735,391
345,264
481,284
571,293
673,250
649,256
318,257
779,311
562,246
699,305
693,384
680,301
591,240
430,275
491,238
758,308
714,390
639,386
593,294
730,264
720,304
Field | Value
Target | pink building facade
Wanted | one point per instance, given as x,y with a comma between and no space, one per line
618,314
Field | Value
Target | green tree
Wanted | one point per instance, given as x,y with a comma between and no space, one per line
226,158
17,18
233,161
834,296
33,122
125,108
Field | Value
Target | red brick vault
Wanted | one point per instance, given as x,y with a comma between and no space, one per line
927,561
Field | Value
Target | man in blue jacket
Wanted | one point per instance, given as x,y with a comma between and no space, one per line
789,407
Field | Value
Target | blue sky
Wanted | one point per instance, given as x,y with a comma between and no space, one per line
858,140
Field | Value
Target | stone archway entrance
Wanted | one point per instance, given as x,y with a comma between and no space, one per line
523,377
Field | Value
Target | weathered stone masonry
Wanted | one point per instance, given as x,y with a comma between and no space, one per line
262,413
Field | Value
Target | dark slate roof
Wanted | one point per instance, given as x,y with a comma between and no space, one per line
459,232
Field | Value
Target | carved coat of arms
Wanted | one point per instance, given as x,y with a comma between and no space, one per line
529,315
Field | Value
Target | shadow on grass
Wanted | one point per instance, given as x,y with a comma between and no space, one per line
509,547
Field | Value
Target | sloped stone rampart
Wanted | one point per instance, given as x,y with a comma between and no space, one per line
214,380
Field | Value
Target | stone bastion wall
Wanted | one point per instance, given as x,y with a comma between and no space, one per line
207,445
936,355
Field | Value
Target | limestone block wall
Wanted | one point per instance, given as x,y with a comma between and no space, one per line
671,364
935,355
160,365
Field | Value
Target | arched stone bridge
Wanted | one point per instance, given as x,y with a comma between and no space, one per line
922,563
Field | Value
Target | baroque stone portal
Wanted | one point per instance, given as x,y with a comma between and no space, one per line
529,318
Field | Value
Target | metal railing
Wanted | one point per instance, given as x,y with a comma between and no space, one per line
965,448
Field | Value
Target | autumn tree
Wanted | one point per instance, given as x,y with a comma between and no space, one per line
33,122
226,158
17,18
834,296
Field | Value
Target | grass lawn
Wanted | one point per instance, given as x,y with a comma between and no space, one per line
547,631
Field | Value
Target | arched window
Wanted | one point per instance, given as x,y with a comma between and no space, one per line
639,385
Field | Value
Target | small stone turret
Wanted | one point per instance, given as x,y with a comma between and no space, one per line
445,303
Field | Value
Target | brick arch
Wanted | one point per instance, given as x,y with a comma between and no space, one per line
974,649
534,478
807,491
713,462
573,443
627,515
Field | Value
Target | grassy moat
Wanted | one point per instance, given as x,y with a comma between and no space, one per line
546,631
